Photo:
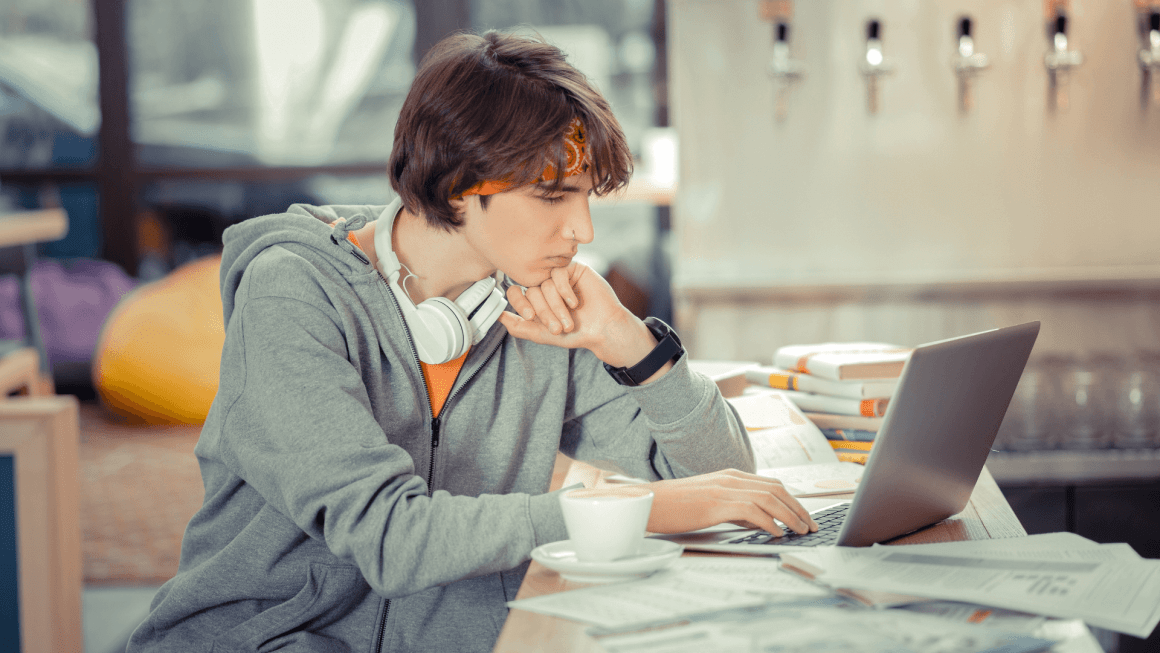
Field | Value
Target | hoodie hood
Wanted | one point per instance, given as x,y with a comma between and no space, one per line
303,225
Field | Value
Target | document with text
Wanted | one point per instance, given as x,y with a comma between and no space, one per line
819,628
692,585
1106,585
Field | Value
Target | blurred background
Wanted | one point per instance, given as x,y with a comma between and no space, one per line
831,170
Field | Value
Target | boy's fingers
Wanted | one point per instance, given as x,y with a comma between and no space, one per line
561,279
778,490
533,331
782,511
524,329
803,514
753,514
515,296
774,508
556,304
791,504
543,311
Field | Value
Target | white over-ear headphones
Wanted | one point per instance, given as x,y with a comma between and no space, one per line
443,330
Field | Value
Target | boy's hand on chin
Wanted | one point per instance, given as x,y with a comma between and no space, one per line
574,308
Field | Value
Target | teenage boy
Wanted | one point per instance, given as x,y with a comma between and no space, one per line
377,459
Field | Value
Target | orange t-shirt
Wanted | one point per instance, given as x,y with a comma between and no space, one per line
439,378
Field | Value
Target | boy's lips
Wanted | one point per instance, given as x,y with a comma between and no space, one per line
562,259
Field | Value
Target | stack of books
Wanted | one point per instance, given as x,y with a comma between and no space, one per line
844,388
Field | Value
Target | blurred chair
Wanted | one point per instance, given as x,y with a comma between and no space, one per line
24,363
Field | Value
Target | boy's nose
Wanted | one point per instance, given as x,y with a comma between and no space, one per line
579,225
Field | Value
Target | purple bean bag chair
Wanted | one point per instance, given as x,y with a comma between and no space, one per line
73,299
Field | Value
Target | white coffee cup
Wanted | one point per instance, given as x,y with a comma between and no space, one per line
605,524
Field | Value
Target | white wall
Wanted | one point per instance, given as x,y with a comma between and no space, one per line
953,221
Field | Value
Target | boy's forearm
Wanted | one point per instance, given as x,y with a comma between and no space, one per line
696,430
627,341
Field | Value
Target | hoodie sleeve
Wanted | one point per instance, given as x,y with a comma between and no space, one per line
298,428
677,426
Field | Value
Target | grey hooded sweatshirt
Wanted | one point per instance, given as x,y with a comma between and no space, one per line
338,514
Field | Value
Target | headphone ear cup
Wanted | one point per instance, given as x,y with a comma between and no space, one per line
445,335
488,313
482,302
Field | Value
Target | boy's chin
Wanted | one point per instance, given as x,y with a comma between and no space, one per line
530,278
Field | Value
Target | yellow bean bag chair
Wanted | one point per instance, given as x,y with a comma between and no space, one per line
158,356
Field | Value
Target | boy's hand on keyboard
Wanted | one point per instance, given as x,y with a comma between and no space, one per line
689,504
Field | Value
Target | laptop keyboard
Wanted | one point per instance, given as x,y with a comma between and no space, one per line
829,523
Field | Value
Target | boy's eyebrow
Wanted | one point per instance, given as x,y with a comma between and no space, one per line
546,185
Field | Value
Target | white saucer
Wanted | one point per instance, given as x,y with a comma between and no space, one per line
652,556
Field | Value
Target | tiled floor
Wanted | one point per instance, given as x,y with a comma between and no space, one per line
111,614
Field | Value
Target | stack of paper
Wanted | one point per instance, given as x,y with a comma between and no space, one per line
704,604
790,627
708,604
1058,575
691,586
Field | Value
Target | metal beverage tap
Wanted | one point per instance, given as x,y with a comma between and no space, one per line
967,63
874,64
1059,61
783,69
1150,60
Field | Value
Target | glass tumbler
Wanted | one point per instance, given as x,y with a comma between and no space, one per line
1137,415
1087,401
1029,422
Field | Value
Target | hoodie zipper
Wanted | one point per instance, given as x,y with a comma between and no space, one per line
434,423
460,386
447,404
435,439
382,626
434,445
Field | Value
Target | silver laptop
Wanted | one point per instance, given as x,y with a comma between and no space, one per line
928,454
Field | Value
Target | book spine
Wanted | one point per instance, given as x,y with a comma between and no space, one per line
849,435
790,380
831,421
832,362
839,405
774,378
851,446
808,365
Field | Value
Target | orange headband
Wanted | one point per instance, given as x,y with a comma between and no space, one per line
577,162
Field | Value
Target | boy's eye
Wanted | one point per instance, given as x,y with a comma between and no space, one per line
552,199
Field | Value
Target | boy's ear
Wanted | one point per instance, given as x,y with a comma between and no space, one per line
459,204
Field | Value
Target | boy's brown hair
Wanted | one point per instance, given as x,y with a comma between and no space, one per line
495,107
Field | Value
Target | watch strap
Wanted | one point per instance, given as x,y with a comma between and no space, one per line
668,348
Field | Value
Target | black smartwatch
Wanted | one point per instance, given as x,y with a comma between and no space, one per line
668,349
